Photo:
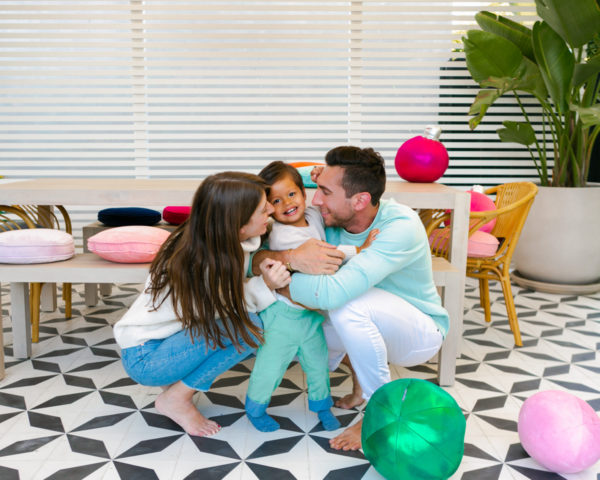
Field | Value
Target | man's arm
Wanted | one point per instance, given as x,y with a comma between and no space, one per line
315,257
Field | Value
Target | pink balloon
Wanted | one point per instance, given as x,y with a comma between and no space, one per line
560,431
422,160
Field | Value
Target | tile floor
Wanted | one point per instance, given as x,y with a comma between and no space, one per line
71,412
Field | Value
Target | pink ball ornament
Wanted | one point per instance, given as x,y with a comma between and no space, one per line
560,431
422,159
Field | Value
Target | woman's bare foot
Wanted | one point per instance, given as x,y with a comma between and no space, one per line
355,398
349,439
176,403
351,400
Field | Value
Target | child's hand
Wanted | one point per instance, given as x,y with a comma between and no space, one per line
369,240
274,273
315,172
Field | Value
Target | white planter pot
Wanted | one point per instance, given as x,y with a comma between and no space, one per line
560,242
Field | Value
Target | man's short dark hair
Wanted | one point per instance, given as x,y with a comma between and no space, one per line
363,170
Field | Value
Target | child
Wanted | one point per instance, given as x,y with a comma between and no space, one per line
289,329
192,320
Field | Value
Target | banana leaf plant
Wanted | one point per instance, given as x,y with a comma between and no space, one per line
556,63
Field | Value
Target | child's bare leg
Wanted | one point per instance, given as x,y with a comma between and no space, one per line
355,398
176,403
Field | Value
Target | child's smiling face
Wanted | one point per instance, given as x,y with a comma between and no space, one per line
289,202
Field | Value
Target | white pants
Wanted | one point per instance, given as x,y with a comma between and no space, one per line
376,328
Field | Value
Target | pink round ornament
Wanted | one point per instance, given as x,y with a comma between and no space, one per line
560,431
423,158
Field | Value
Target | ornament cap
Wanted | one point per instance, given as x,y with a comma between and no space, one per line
433,132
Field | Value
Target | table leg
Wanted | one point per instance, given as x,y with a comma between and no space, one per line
459,237
21,320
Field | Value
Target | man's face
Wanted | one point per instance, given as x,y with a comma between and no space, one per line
331,199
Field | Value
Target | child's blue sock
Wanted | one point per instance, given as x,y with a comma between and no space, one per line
328,420
264,423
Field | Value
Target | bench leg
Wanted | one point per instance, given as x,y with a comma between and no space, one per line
48,297
1,345
450,348
91,294
105,289
21,320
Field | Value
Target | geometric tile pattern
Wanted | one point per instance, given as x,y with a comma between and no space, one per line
71,412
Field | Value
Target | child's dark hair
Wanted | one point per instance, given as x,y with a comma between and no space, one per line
277,170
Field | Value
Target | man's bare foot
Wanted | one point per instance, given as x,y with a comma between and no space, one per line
176,403
349,439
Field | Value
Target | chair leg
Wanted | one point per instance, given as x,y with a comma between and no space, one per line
34,304
511,310
67,297
484,298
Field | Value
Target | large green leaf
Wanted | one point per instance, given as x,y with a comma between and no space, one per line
589,116
489,55
517,33
587,70
517,132
556,63
576,21
482,102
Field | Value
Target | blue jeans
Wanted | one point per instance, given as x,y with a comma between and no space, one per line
165,361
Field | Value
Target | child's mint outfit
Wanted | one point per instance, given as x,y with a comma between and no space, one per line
291,330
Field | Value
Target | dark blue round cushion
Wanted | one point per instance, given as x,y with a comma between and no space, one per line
122,216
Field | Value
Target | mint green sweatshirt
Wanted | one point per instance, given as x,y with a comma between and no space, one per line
398,261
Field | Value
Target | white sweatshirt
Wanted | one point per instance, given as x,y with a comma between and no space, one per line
141,323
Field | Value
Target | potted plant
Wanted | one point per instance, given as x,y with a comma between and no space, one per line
551,70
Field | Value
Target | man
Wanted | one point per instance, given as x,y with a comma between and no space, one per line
383,305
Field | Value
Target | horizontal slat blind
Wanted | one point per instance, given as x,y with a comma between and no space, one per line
171,88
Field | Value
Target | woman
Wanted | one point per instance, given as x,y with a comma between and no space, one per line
196,316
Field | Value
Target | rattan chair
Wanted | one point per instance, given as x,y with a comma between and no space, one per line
13,217
513,201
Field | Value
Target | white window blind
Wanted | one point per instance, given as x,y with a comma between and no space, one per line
169,88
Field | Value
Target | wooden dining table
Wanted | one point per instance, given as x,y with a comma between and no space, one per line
106,192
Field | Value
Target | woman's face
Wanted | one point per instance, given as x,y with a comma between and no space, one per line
257,225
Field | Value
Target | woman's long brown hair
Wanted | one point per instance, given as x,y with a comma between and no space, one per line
201,265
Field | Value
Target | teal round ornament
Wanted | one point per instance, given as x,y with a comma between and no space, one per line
413,429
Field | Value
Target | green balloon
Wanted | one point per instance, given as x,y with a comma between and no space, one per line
413,429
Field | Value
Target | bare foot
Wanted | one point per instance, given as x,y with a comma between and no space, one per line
349,439
350,401
353,399
176,403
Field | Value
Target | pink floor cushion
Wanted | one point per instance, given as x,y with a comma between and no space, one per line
481,244
36,245
176,215
131,244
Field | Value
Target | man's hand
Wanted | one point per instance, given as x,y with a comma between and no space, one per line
274,274
315,257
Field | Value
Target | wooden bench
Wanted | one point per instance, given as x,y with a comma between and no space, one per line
82,268
89,268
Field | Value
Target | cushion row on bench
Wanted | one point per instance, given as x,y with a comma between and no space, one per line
125,216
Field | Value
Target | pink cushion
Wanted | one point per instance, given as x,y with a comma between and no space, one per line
482,203
176,215
35,245
131,244
481,244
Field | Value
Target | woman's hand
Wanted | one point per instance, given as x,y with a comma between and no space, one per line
274,273
369,240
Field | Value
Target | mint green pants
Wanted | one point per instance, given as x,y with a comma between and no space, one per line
289,332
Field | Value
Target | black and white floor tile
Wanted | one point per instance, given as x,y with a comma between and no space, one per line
70,412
